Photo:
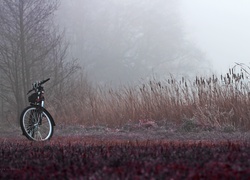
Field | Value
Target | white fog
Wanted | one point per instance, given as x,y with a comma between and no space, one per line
124,41
220,28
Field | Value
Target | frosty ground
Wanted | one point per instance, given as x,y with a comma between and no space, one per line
142,131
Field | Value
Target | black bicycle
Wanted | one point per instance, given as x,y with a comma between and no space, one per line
36,122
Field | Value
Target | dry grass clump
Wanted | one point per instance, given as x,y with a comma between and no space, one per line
209,101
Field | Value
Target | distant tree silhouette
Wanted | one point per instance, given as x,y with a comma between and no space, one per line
129,40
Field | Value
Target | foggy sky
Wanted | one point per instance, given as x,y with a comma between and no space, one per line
221,28
218,29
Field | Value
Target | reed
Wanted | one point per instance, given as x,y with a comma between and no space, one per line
215,101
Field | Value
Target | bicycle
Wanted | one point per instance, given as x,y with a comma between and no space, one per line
36,122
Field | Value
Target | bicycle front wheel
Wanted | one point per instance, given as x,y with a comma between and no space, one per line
36,123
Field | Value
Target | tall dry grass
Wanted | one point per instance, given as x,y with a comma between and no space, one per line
209,101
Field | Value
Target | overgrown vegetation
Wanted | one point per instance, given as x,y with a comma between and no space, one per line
221,102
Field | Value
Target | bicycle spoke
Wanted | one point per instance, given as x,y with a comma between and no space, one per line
39,136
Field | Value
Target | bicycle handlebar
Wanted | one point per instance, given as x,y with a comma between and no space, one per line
44,81
38,84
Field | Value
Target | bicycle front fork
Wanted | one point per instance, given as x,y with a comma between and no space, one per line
42,103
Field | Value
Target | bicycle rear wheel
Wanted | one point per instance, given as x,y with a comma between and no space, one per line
36,123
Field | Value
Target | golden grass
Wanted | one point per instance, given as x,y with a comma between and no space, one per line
209,101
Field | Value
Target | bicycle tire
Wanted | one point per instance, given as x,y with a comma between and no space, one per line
36,123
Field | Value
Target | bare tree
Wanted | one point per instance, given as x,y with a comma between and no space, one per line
31,48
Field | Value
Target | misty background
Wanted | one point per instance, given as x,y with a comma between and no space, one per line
126,41
220,29
120,42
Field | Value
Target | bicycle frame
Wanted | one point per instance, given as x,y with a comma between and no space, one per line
40,100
